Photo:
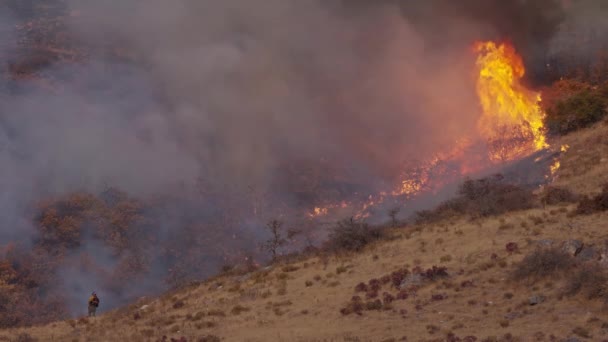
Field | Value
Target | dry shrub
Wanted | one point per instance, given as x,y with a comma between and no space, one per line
216,312
555,195
290,268
209,338
589,205
483,197
179,304
591,280
582,332
543,263
238,309
352,235
25,337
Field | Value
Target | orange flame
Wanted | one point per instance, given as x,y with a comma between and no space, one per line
512,120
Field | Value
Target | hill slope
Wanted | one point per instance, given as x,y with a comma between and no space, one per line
311,299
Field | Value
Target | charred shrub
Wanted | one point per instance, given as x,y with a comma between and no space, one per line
543,263
589,205
352,235
577,111
556,195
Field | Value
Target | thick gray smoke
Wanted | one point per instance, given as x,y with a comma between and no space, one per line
236,94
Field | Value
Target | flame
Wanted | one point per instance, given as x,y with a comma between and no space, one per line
323,211
512,119
553,168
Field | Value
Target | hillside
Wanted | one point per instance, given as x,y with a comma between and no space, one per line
478,300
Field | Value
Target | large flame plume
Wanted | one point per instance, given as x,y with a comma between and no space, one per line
512,119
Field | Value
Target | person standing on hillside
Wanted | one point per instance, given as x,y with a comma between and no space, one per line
93,304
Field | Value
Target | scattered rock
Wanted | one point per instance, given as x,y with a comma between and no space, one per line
572,247
536,299
588,253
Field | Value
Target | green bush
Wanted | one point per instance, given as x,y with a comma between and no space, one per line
576,111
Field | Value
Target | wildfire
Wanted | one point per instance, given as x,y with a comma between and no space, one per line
512,120
511,125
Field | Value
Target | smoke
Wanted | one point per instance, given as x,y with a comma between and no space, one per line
581,39
239,96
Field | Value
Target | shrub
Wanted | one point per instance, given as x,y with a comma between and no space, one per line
238,309
361,287
511,247
178,304
555,195
209,338
25,337
219,313
481,198
542,263
576,111
589,279
435,273
582,332
352,235
589,205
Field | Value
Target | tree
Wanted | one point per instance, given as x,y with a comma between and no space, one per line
392,213
276,240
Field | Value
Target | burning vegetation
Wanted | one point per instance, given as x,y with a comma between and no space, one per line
512,119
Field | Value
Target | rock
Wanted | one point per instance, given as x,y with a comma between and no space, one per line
572,247
536,299
571,339
411,280
588,253
144,307
545,243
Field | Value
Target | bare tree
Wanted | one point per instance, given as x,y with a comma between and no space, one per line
392,213
276,240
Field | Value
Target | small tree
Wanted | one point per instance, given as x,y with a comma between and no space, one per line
392,213
276,240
